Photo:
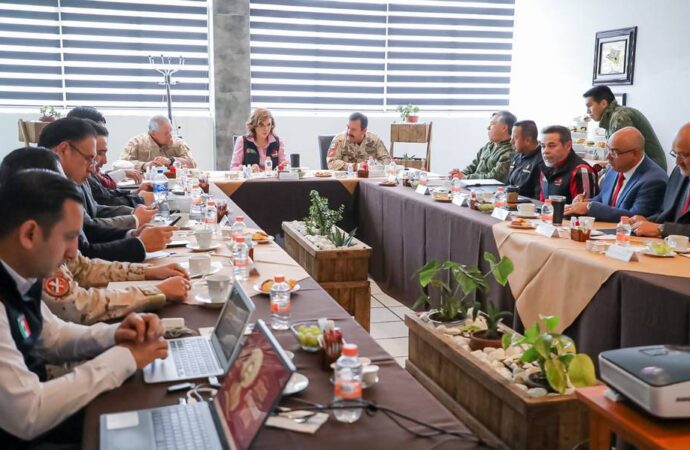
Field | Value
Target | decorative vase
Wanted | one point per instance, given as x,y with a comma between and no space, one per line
433,318
412,119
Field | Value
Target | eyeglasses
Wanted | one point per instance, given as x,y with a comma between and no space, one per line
89,159
614,153
683,156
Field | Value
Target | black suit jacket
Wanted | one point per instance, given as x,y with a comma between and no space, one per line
677,186
112,197
111,244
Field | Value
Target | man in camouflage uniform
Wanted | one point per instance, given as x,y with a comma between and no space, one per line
356,145
158,147
72,294
603,107
493,159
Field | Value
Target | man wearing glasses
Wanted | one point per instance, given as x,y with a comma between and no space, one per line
634,185
674,217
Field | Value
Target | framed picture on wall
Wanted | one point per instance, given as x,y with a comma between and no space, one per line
614,56
621,98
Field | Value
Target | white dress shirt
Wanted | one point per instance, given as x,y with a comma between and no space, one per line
29,407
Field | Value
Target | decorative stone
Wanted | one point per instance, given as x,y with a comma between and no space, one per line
521,386
498,354
537,392
489,350
455,331
505,373
514,351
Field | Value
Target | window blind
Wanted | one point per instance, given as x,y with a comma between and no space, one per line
96,52
375,55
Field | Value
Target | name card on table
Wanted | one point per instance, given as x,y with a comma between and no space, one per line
288,176
422,189
500,214
460,201
548,230
225,221
622,253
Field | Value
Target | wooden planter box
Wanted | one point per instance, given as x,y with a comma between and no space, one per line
343,273
412,163
30,130
491,406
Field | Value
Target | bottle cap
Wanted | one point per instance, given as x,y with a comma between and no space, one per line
350,350
279,278
625,219
239,238
239,219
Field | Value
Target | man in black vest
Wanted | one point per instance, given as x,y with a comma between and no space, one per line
525,167
42,216
563,172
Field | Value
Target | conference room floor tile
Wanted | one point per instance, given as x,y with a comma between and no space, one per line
401,361
400,311
378,315
387,330
387,300
376,304
397,347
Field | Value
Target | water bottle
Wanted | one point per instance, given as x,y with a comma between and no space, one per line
392,171
500,199
348,385
350,170
455,187
196,213
623,231
160,185
179,172
268,166
211,216
280,303
547,211
238,227
240,259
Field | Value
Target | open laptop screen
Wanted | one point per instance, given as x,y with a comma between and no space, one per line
253,386
234,318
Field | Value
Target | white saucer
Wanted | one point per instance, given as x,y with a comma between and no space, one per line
206,302
527,216
264,241
682,252
215,267
296,383
667,255
196,248
257,288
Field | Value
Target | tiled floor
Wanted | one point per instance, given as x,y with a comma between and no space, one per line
387,323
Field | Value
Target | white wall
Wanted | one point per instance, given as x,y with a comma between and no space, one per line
554,54
196,129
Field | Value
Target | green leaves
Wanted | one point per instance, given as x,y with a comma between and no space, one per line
581,371
321,218
501,269
427,272
555,372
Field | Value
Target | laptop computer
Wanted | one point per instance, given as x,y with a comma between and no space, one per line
249,393
200,356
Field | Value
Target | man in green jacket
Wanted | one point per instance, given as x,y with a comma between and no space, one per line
493,159
603,107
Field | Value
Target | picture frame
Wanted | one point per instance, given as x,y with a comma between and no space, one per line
614,56
621,98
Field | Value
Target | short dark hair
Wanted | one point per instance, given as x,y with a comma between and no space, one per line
363,120
65,129
100,129
563,132
599,93
28,158
35,194
87,112
529,129
506,118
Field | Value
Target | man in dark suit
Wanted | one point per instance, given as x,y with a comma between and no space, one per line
674,217
634,185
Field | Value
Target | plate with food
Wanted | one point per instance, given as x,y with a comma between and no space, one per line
323,174
265,286
388,183
521,224
659,249
261,237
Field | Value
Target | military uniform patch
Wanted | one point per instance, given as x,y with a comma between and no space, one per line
56,286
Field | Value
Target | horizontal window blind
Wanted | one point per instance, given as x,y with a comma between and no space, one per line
376,55
96,52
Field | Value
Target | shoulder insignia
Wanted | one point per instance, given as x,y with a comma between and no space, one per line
56,286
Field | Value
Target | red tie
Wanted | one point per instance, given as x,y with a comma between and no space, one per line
686,205
617,190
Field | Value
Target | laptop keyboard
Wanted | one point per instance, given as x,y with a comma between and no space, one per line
193,357
185,428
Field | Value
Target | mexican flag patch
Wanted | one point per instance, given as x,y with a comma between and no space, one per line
24,328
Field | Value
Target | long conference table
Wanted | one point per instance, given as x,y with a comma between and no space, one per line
396,390
406,229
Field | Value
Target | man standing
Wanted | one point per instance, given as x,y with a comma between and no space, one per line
42,216
603,107
492,160
356,145
563,172
634,185
526,165
157,147
674,217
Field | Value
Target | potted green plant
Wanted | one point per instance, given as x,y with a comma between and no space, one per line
408,113
321,218
468,279
561,366
48,114
491,336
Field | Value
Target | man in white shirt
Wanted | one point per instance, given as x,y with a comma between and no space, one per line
42,216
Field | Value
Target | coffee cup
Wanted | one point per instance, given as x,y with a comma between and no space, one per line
199,264
586,222
526,210
370,374
204,238
219,287
677,242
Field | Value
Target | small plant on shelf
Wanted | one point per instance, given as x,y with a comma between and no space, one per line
408,113
48,114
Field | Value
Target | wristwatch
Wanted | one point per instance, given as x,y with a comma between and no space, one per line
660,229
172,160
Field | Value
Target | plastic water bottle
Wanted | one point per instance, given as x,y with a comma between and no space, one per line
179,172
160,185
547,211
240,259
268,166
500,199
196,213
280,303
350,170
623,231
348,385
238,227
211,216
455,187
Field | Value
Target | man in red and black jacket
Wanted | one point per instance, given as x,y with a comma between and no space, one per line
563,172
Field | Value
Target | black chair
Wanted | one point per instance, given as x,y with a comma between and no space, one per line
324,144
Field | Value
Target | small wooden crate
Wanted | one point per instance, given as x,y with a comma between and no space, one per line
491,406
343,273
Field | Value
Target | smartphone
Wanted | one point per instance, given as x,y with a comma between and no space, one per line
176,218
180,387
